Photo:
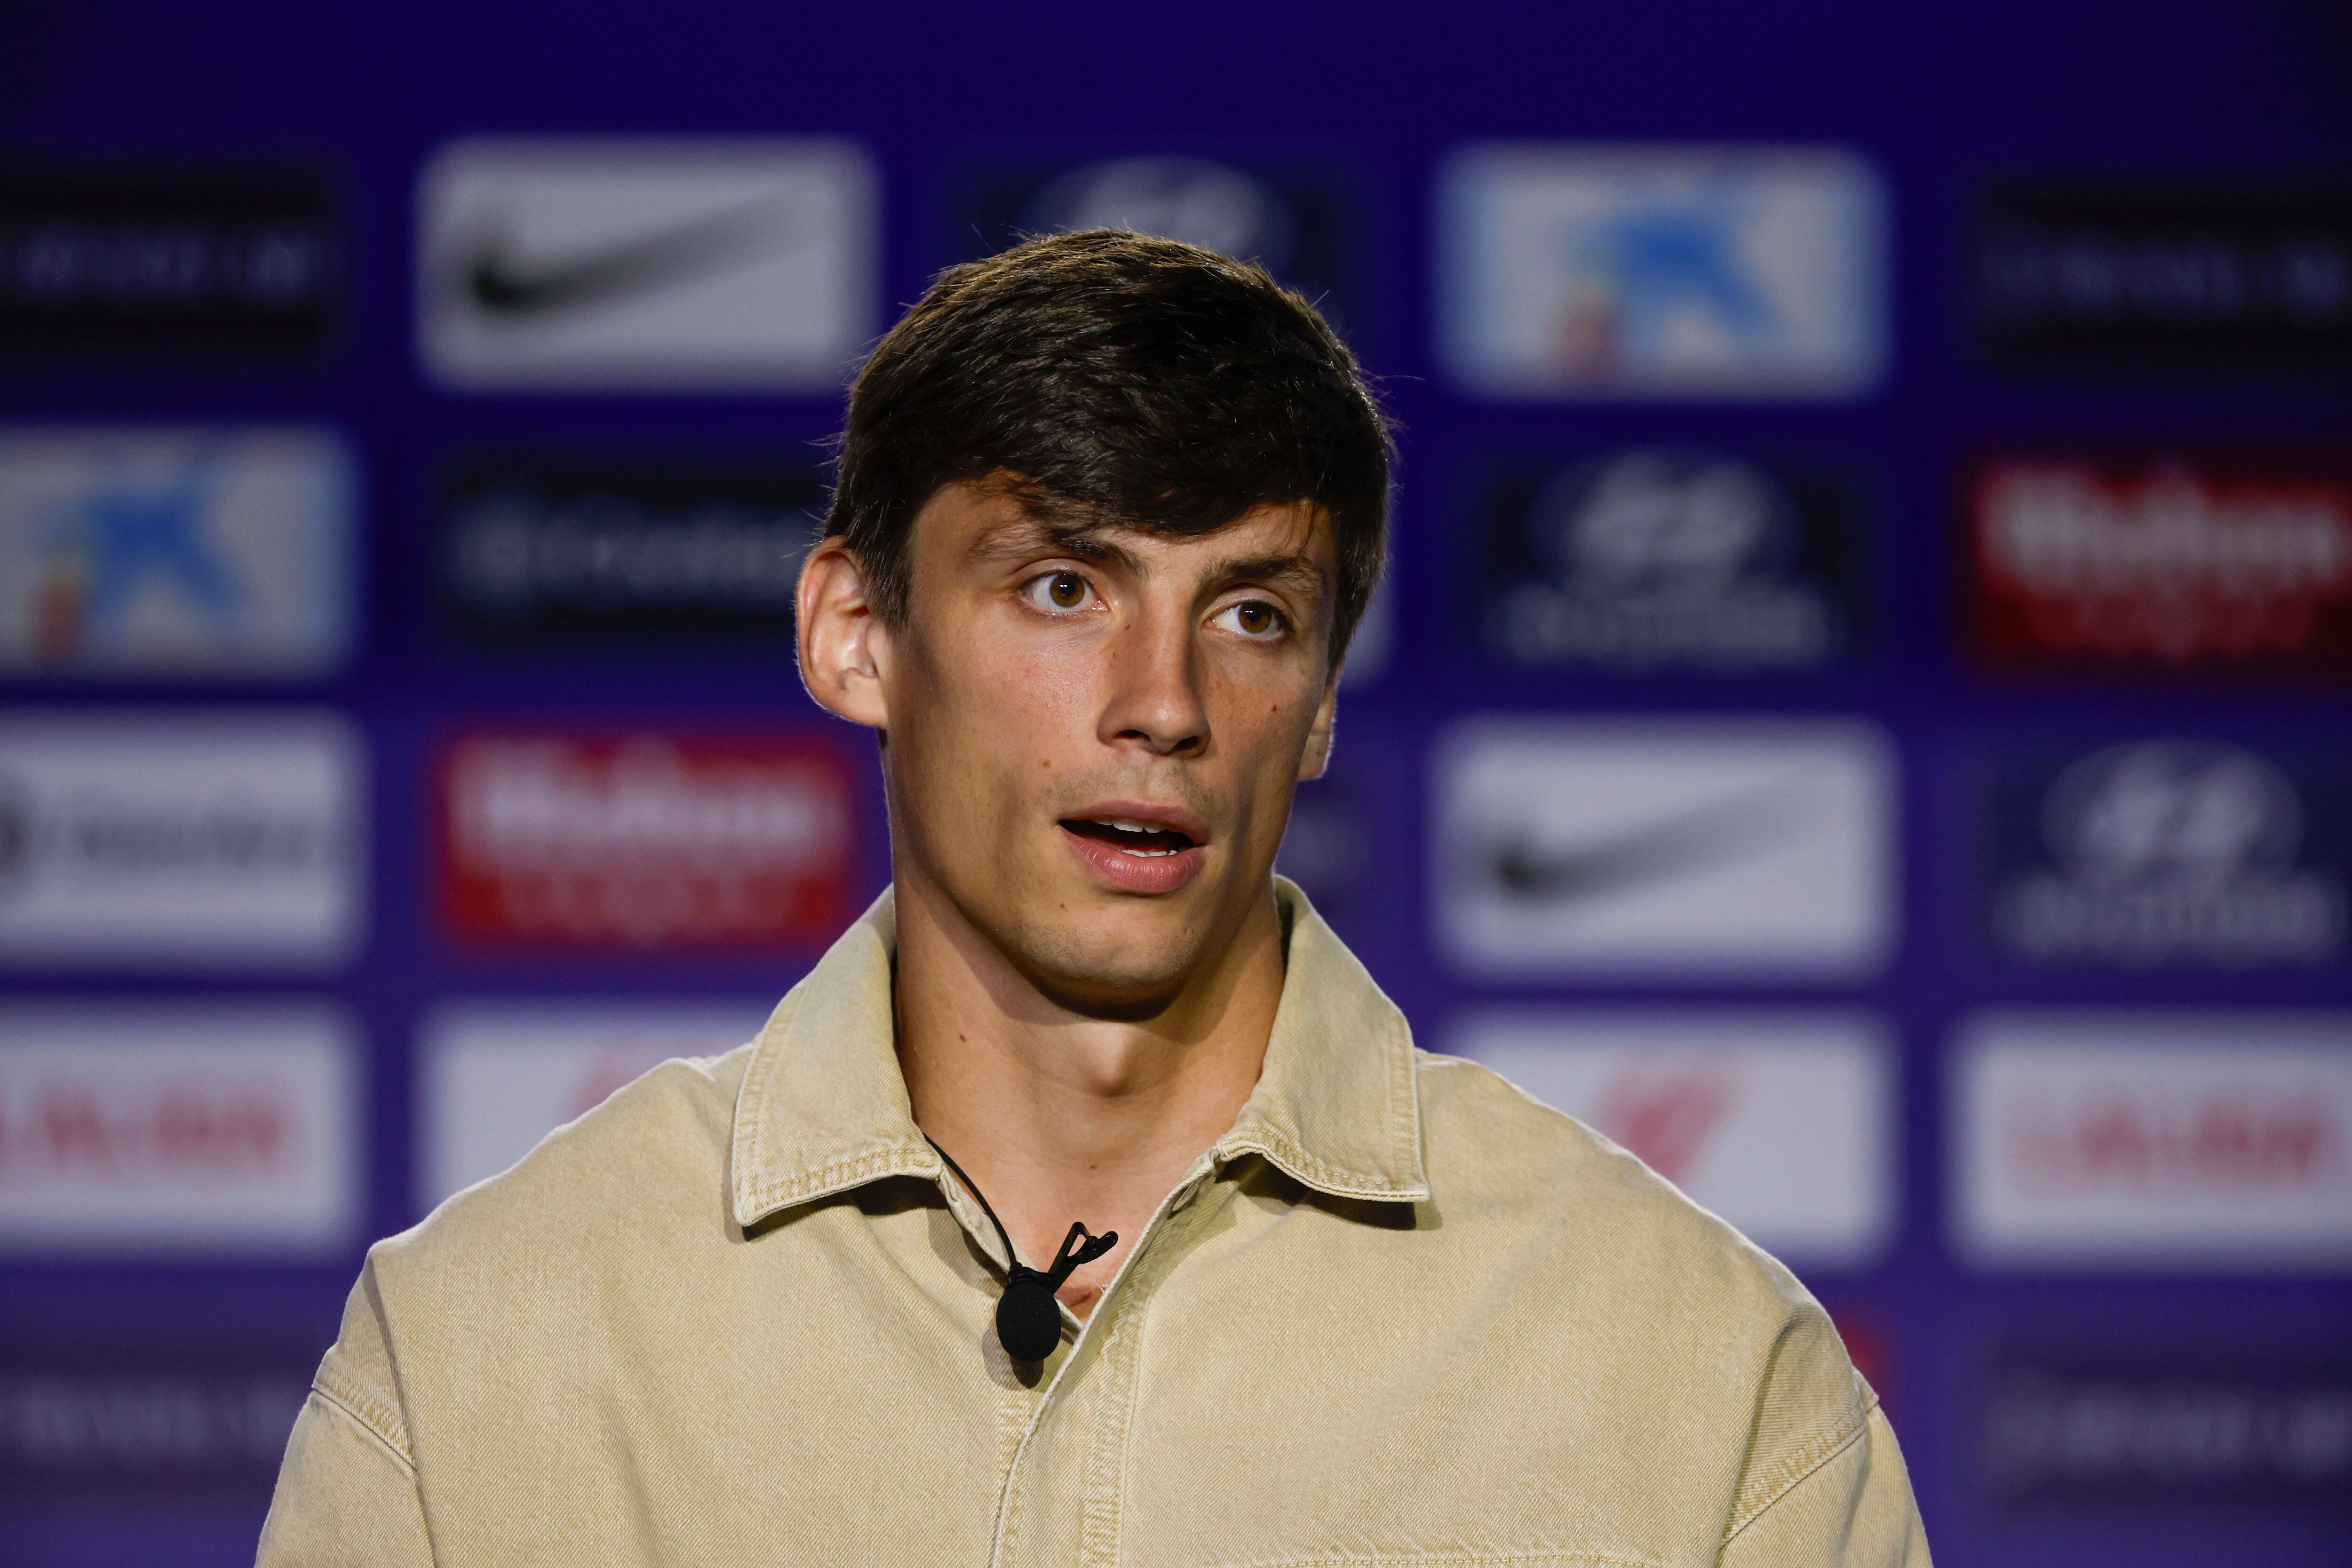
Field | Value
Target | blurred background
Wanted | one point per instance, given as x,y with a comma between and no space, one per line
1859,714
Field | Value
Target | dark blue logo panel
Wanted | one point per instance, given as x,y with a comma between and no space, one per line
167,265
2163,1430
1291,221
2192,279
1670,558
2169,850
565,550
177,1416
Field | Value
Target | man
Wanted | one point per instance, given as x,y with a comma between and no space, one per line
1088,1203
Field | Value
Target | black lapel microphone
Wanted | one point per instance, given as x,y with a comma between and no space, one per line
1028,1319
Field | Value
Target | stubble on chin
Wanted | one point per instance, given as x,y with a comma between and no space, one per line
1101,965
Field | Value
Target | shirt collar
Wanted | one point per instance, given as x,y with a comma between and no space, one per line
823,1107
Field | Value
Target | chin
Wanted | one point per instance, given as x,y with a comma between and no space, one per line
1110,963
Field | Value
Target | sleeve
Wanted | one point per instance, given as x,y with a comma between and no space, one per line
346,1495
1851,1509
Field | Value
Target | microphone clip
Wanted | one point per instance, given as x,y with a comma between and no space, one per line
1028,1319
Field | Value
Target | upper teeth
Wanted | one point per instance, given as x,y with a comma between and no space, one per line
1125,826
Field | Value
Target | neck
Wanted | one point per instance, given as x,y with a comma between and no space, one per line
1059,1115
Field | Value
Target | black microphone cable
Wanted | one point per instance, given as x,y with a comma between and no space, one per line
1028,1319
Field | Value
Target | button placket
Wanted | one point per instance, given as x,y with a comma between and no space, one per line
1128,1290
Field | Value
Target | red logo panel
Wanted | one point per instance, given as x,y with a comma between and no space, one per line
2163,565
652,841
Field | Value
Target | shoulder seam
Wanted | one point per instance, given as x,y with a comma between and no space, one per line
370,1414
1805,1463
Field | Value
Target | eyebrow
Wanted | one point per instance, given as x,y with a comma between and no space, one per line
1029,535
1290,570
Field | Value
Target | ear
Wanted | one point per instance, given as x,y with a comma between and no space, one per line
844,647
1317,755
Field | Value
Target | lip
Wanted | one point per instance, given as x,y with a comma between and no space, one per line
1123,872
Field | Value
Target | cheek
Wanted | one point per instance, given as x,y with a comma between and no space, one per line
993,719
1260,702
1266,723
1034,700
1044,690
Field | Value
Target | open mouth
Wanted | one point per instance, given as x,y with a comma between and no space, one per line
1136,838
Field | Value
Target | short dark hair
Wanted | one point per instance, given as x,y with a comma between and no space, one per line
1132,380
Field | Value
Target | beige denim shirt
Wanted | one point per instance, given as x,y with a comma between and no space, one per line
1399,1314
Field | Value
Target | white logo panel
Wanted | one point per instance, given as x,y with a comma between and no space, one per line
181,839
1778,1123
500,1076
1692,848
179,1128
176,551
673,265
1600,271
2123,1140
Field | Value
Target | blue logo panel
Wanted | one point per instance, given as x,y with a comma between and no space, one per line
1669,557
138,552
1599,270
2169,850
1292,221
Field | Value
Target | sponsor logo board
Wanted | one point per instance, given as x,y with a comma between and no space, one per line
499,1077
2122,1141
644,840
1756,847
2161,1429
560,550
1780,1122
182,839
2195,278
2161,566
151,1409
178,1128
659,265
2179,849
1607,270
148,552
1671,557
119,263
1291,221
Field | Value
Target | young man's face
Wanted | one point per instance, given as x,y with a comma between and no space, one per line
1092,736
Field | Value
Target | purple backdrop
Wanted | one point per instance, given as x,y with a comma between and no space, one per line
964,110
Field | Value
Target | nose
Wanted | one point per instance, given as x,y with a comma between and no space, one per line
1154,698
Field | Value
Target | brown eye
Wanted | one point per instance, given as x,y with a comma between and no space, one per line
1058,591
1253,618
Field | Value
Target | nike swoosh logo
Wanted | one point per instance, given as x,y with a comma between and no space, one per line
1727,831
498,286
